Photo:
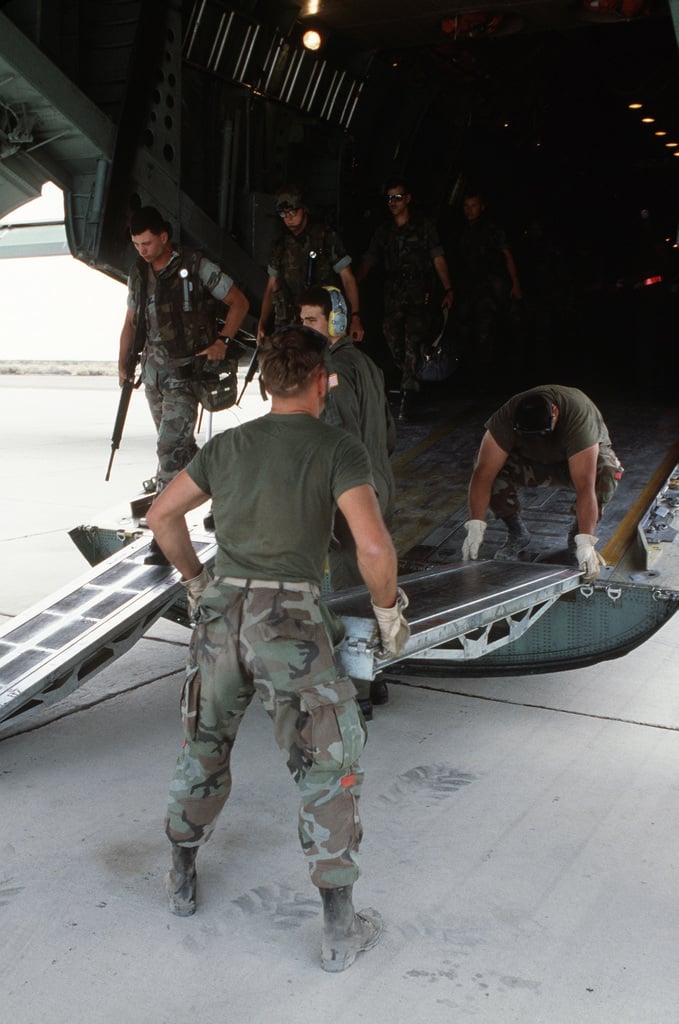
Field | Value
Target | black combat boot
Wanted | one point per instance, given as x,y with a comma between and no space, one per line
518,538
366,706
379,692
345,932
180,881
155,555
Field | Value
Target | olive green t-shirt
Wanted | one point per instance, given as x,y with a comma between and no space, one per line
274,484
580,425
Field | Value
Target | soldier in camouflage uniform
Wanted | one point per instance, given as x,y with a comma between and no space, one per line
486,280
261,628
549,436
307,253
163,282
412,256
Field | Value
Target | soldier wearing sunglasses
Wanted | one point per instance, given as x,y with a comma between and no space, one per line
409,250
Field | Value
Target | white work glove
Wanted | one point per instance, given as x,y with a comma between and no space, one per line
194,588
394,630
589,559
476,529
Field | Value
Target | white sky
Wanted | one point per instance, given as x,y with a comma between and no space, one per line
55,307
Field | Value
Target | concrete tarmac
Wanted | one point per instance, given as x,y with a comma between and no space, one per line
520,833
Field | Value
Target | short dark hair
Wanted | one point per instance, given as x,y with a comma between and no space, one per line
288,356
147,218
396,182
533,414
317,296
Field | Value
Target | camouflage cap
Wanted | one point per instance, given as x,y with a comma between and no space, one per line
288,199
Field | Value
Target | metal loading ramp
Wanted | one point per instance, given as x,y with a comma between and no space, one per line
471,607
55,646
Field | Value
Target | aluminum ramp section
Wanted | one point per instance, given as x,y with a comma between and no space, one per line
52,648
471,607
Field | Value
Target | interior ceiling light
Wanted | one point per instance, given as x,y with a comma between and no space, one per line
312,40
660,133
635,106
672,145
648,120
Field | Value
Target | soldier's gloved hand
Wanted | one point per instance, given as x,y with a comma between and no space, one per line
476,529
394,629
194,588
589,559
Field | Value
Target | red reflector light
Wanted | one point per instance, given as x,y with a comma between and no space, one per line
652,280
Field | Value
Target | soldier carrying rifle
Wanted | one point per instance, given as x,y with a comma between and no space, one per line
174,295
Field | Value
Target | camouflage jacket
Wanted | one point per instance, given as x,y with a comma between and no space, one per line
406,254
298,262
181,331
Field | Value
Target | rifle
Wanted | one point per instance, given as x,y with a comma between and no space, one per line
253,366
130,384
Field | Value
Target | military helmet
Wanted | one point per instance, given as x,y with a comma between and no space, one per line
289,198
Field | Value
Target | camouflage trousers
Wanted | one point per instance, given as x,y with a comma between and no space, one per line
174,409
521,472
406,332
280,644
480,307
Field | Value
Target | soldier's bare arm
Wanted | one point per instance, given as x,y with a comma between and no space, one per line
375,551
489,462
351,292
166,519
582,469
441,268
237,306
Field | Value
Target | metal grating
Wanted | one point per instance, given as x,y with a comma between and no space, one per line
54,647
473,608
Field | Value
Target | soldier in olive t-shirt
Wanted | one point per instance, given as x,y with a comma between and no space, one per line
262,629
284,532
548,436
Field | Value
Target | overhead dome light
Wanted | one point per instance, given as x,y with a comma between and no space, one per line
635,106
648,120
660,132
312,40
671,145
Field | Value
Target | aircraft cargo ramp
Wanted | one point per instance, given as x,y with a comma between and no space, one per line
57,645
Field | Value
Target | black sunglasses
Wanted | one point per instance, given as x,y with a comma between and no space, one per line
396,197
